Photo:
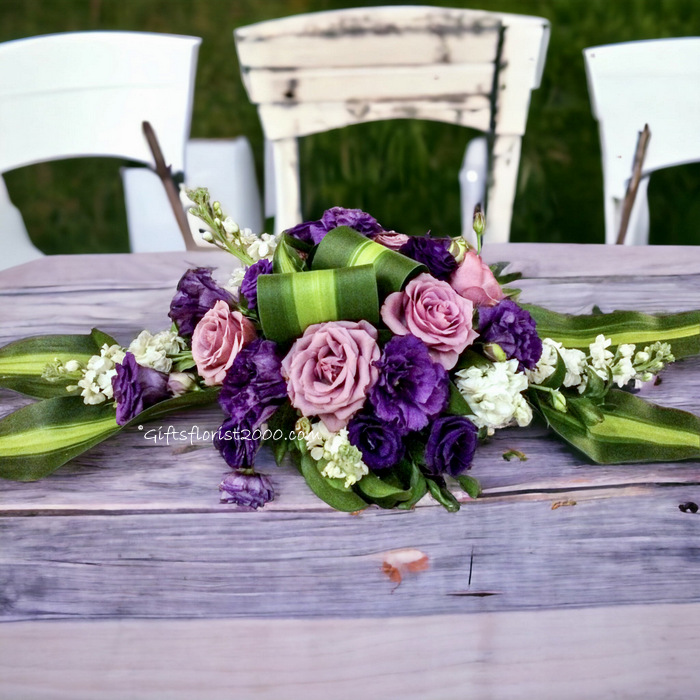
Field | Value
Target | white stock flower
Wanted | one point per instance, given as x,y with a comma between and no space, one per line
96,382
234,283
600,356
153,350
262,246
574,360
494,395
344,461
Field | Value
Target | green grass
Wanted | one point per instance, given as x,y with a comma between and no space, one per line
405,173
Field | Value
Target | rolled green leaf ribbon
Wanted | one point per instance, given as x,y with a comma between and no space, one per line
23,362
344,247
289,303
631,430
680,330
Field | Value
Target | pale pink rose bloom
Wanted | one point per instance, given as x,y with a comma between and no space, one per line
433,312
217,339
474,280
391,239
329,370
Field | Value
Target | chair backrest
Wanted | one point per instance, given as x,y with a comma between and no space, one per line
321,71
87,94
632,84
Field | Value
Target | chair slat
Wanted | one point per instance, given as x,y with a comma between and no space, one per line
381,84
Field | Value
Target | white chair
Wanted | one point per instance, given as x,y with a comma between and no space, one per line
87,94
632,84
321,71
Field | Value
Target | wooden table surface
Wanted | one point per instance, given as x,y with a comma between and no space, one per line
122,576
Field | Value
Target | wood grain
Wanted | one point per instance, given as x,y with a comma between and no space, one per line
584,654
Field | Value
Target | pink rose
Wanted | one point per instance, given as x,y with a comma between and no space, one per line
329,370
474,280
391,239
432,311
217,339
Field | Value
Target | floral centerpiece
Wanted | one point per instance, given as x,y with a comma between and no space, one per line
376,360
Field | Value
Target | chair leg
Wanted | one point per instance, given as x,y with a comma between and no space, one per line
285,157
501,193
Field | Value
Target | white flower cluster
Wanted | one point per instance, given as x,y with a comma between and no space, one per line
624,364
575,361
155,350
234,283
494,394
344,461
96,383
258,247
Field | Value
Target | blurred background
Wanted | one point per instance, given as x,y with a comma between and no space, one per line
403,172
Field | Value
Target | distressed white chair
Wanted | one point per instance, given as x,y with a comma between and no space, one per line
632,84
321,71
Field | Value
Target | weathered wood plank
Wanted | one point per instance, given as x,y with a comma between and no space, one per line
321,84
371,37
287,121
636,548
580,654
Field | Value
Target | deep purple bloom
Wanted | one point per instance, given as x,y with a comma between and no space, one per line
254,388
313,231
238,443
513,329
249,286
451,446
196,294
433,253
246,490
381,444
136,388
411,388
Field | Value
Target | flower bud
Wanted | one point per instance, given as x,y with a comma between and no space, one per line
230,226
216,208
458,248
495,352
302,426
558,401
479,221
208,237
180,383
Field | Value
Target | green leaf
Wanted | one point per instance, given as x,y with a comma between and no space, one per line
290,303
22,362
681,330
457,404
287,257
344,247
631,430
442,495
469,485
39,438
375,487
283,419
346,501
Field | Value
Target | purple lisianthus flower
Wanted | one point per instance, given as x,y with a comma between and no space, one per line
254,388
513,329
246,490
313,231
411,388
381,444
249,286
136,388
196,293
238,442
433,253
451,446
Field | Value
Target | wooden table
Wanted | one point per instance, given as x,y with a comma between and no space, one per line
122,576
